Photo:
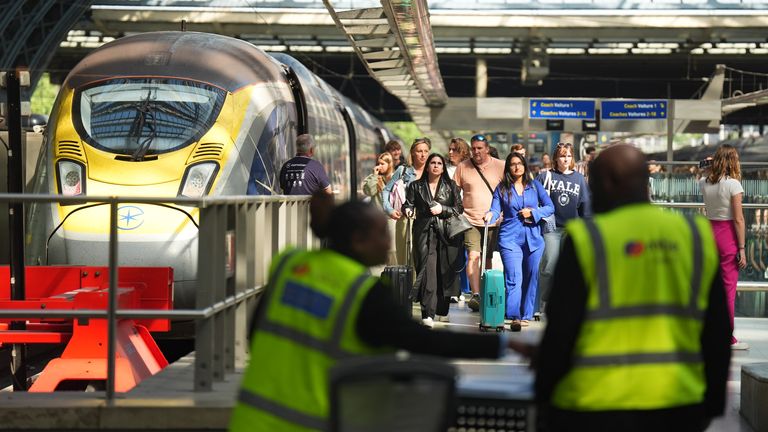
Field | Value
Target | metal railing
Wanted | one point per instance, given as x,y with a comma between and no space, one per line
259,226
745,285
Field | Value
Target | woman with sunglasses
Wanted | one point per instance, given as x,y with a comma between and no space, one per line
569,193
523,203
393,196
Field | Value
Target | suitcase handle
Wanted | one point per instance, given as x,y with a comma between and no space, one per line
485,248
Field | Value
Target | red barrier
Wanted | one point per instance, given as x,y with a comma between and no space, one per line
86,288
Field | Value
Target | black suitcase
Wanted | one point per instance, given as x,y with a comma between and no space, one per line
400,277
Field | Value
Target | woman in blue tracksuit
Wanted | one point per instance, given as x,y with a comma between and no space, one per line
523,202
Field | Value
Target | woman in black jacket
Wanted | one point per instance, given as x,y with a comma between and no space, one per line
434,198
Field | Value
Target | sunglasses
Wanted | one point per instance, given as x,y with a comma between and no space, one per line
564,145
452,149
422,140
478,137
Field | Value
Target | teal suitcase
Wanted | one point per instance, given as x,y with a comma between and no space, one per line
492,300
492,294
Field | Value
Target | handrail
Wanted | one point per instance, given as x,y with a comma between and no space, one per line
271,222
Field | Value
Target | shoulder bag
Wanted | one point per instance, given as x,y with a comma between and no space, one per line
456,224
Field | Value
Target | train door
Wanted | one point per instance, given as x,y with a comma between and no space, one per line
352,143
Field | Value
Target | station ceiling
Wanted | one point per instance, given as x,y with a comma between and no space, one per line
595,48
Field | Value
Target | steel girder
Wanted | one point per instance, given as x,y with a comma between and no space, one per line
396,46
31,31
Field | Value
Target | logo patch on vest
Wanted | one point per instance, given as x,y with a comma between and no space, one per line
661,246
634,248
306,299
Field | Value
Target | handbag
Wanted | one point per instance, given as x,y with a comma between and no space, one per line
548,224
456,224
397,195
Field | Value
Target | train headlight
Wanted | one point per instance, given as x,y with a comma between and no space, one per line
71,177
198,179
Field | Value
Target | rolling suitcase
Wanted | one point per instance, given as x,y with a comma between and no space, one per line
492,292
400,277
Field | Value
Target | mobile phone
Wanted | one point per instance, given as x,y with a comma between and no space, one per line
706,163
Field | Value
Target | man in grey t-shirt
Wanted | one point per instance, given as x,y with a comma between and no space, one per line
302,175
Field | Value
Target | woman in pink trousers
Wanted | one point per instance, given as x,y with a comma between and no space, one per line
722,200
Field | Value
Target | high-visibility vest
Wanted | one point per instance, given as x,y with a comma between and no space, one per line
306,326
648,274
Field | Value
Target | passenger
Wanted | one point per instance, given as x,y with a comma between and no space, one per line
394,192
477,177
637,332
432,199
321,306
582,167
302,175
394,148
523,203
570,196
722,201
546,162
458,152
374,184
517,148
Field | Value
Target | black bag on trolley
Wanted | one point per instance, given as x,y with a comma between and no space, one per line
400,277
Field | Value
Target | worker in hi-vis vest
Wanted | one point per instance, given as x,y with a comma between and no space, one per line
322,306
637,335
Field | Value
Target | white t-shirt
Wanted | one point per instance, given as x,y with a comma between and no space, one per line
717,197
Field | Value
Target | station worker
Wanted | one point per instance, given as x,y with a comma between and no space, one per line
638,335
322,306
302,175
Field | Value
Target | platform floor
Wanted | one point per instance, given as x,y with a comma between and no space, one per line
167,402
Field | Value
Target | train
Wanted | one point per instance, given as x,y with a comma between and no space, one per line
181,114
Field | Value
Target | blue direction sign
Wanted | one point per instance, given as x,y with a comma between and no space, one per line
558,109
637,109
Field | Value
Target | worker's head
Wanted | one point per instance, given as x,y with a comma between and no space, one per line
618,176
355,229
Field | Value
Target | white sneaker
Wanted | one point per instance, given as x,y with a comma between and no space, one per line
740,346
428,322
442,318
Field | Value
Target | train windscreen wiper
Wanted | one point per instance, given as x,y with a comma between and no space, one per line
146,117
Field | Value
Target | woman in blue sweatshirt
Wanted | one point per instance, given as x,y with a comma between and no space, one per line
523,203
570,195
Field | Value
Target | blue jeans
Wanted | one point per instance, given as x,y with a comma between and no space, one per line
553,242
521,279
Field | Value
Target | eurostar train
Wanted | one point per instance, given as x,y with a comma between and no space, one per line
169,114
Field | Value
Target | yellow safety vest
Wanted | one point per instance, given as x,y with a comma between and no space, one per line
307,325
648,274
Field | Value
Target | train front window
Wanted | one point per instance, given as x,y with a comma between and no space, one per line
142,116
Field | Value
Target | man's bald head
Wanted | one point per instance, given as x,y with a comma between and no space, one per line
618,176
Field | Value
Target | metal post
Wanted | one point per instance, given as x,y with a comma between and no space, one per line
670,130
16,219
219,288
670,143
112,297
481,78
205,279
526,121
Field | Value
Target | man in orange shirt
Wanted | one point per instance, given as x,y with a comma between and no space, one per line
478,177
